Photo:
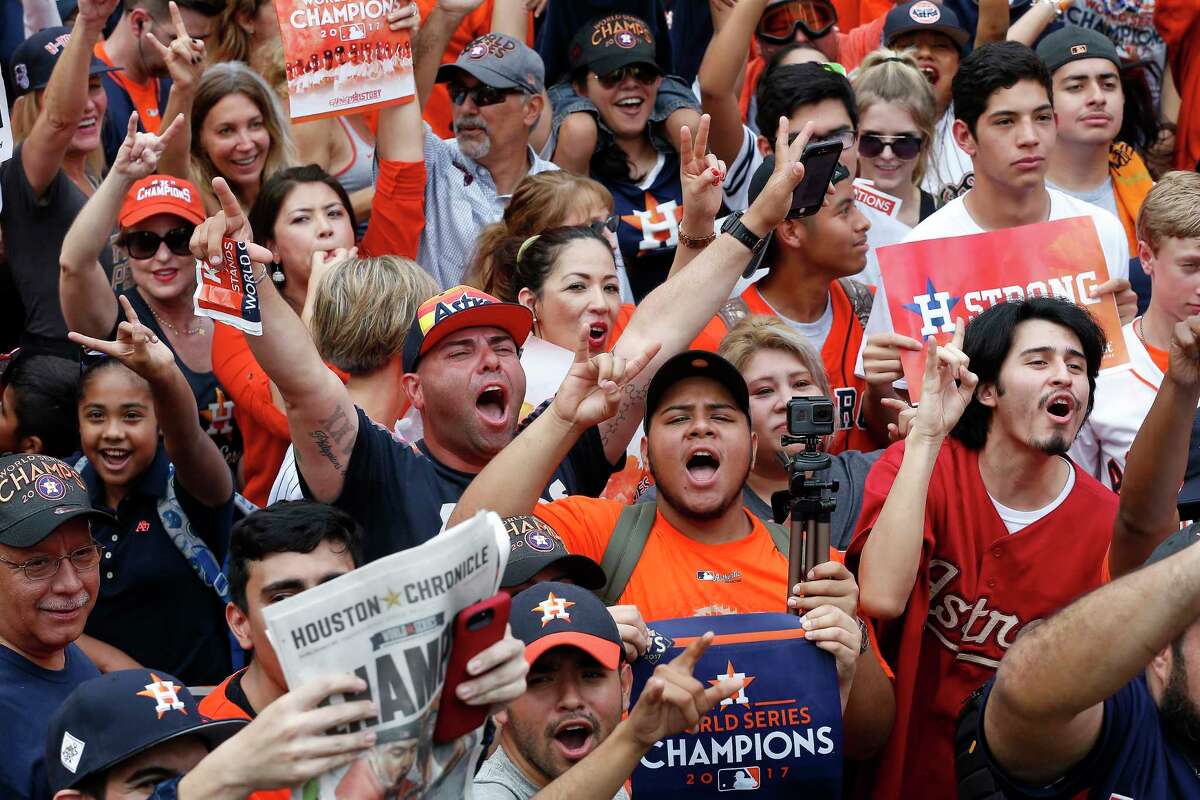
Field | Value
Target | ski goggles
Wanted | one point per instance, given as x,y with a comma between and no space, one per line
779,23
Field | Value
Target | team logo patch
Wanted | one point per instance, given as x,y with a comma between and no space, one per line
21,75
143,527
477,51
540,541
488,45
50,488
739,779
1078,49
625,40
934,308
925,12
71,751
165,695
553,608
732,674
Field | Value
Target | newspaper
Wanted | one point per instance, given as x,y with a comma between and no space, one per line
390,623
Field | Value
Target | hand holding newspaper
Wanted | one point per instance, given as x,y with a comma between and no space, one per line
390,623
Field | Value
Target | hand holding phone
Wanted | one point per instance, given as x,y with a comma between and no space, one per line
821,162
476,628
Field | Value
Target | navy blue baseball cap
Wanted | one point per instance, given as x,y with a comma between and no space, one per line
552,614
118,715
34,59
37,495
924,15
695,364
533,545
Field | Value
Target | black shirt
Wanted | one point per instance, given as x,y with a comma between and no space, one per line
152,604
215,406
402,495
34,228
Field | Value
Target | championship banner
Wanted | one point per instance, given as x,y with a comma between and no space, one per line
340,56
929,283
780,736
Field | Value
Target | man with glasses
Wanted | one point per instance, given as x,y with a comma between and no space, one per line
496,90
48,585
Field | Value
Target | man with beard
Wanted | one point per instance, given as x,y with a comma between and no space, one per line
977,524
49,582
496,91
704,553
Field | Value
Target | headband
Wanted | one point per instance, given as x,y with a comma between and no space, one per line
525,246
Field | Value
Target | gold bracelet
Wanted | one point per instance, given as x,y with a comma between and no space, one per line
696,242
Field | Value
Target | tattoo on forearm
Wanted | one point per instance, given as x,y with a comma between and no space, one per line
633,399
330,438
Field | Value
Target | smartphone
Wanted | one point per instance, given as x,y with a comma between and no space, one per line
820,159
476,628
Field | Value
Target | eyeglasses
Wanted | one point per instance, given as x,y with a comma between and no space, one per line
43,568
144,244
644,74
608,224
482,94
905,147
779,23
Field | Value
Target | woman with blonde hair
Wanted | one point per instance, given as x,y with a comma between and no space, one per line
239,132
359,313
897,115
778,364
554,199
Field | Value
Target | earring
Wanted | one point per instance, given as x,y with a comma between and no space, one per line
277,274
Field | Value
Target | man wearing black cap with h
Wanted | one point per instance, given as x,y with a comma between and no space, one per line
49,582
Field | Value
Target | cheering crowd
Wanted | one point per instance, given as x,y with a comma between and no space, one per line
567,282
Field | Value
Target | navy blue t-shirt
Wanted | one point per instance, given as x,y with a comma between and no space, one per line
648,233
1133,757
29,694
402,495
152,604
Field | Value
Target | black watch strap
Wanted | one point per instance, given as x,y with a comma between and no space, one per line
735,228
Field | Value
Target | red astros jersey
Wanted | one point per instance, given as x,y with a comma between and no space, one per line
838,354
977,586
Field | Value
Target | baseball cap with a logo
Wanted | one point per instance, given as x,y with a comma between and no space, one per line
924,15
161,194
118,715
462,307
552,614
37,495
34,59
533,545
612,42
499,61
696,364
1072,43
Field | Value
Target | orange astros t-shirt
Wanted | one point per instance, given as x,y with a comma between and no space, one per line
677,576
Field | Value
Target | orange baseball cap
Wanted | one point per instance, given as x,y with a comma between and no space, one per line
462,307
161,194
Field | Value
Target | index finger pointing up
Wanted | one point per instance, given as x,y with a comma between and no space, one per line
960,332
688,658
177,18
229,204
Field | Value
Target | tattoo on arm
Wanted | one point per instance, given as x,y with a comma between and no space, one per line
633,399
330,438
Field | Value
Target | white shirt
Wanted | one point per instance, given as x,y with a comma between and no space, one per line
953,219
1016,521
949,173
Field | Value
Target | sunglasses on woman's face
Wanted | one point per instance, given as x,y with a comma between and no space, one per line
778,24
642,73
144,244
482,94
906,148
609,223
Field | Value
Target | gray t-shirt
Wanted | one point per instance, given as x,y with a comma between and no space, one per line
501,779
1103,195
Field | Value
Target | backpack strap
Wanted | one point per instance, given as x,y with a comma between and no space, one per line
733,311
625,547
976,781
780,536
860,296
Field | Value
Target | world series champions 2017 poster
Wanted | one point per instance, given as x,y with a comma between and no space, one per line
928,284
340,56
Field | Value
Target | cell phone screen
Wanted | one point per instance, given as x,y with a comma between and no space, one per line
820,159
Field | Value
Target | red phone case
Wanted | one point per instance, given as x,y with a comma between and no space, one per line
476,628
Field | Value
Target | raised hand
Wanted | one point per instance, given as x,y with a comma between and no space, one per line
591,392
95,13
405,17
1183,360
228,223
498,674
139,153
1123,294
635,636
136,346
881,357
701,174
947,387
775,200
673,700
905,414
184,57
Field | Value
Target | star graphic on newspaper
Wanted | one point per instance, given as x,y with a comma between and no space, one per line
391,598
932,302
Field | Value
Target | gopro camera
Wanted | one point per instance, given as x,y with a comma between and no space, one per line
810,416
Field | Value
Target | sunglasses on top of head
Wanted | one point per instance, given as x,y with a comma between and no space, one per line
778,24
481,94
906,148
144,244
645,74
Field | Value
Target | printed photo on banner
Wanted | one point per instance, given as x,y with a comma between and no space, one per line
929,284
340,56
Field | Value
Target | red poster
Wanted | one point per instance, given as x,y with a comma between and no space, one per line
928,284
340,56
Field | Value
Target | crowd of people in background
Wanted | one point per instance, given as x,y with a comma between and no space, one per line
565,281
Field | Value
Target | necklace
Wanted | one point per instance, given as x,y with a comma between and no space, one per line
197,331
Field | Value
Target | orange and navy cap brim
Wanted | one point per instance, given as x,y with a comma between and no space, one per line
437,319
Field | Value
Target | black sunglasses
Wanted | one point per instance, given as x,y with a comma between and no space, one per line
905,147
144,244
644,74
610,223
481,95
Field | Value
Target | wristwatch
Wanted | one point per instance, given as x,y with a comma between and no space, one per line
734,227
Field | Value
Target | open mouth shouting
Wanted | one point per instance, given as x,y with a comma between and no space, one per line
1061,407
492,405
115,459
702,466
574,738
630,106
930,71
597,336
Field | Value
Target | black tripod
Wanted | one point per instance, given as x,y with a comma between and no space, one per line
808,501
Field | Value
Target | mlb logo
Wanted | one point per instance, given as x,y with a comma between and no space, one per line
1078,49
925,12
705,575
739,779
353,33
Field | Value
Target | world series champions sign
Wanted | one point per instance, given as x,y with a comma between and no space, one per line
929,284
